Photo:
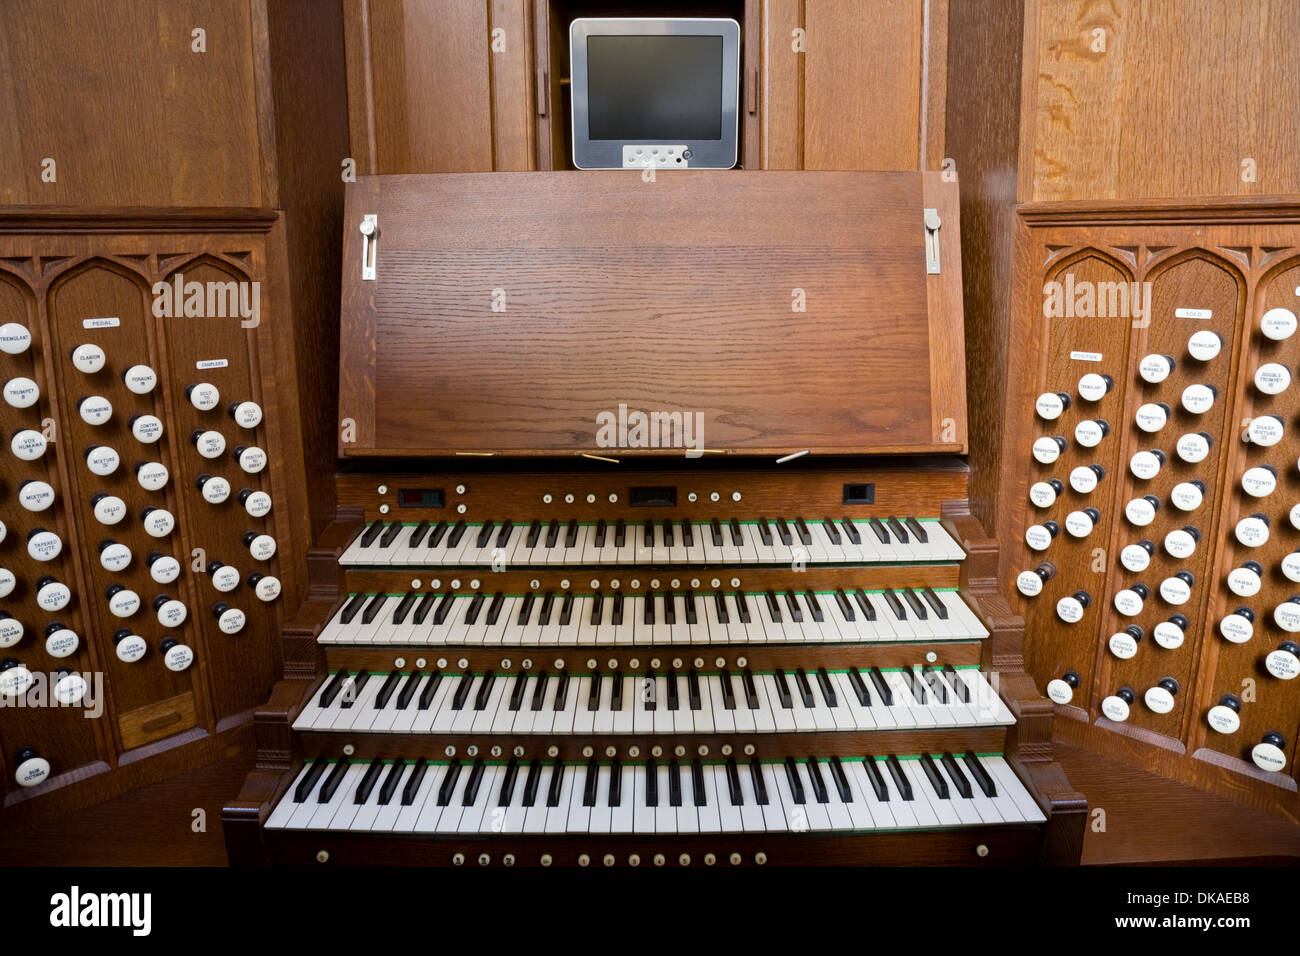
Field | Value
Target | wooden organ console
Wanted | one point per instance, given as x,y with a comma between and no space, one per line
525,641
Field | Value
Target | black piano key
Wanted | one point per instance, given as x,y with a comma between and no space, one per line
805,536
368,781
534,531
895,604
526,608
938,686
900,781
517,691
431,688
390,534
423,608
804,688
693,689
649,691
674,701
404,607
444,608
815,778
814,606
539,691
773,609
508,783
932,599
599,540
851,530
720,606
668,532
764,532
472,784
352,607
548,604
571,534
842,600
728,690
475,605
882,686
841,780
828,689
783,529
616,610
484,534
670,608
436,534
620,533
688,599
959,686
783,689
589,784
561,689
532,782
616,693
504,534
914,683
715,532
308,783
742,607
859,687
484,690
915,603
407,693
751,692
897,528
391,781
352,691
593,693
980,774
372,532
697,783
872,767
649,526
734,790
494,609
866,605
462,691
955,774
917,529
937,783
832,532
674,784
760,785
448,787
737,534
794,780
386,690
688,533
552,532
792,605
597,605
878,527
566,609
615,783
652,783
331,689
413,782
376,602
648,608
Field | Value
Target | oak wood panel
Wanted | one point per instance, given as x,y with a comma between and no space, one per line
538,244
862,84
1179,97
184,128
782,77
512,85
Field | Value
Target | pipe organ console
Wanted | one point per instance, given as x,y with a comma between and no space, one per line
521,646
1158,503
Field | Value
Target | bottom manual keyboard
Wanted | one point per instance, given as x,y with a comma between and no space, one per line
799,794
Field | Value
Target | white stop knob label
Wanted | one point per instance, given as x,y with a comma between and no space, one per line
258,504
172,613
225,578
1272,378
1291,566
1140,512
32,772
1144,465
1265,431
268,588
54,596
1122,645
36,495
204,396
1115,708
1258,482
152,476
1198,399
1038,537
249,414
140,379
95,410
1204,345
1236,628
88,358
1046,450
1223,720
1282,664
1128,602
1041,494
14,338
115,557
1159,700
1151,417
110,509
1193,448
16,681
147,429
211,444
70,689
44,546
1154,369
1059,691
165,570
1287,616
124,603
178,657
1186,496
11,631
252,460
1175,590
1168,635
262,547
1294,516
62,643
1078,524
7,582
1069,610
1135,558
1252,532
1180,544
216,490
1278,324
102,460
1049,406
159,523
1088,433
231,621
1244,582
28,444
1092,387
1268,757
21,392
131,648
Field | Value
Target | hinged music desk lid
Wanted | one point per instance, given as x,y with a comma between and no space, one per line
599,313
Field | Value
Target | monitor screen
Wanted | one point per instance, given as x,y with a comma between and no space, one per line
665,88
